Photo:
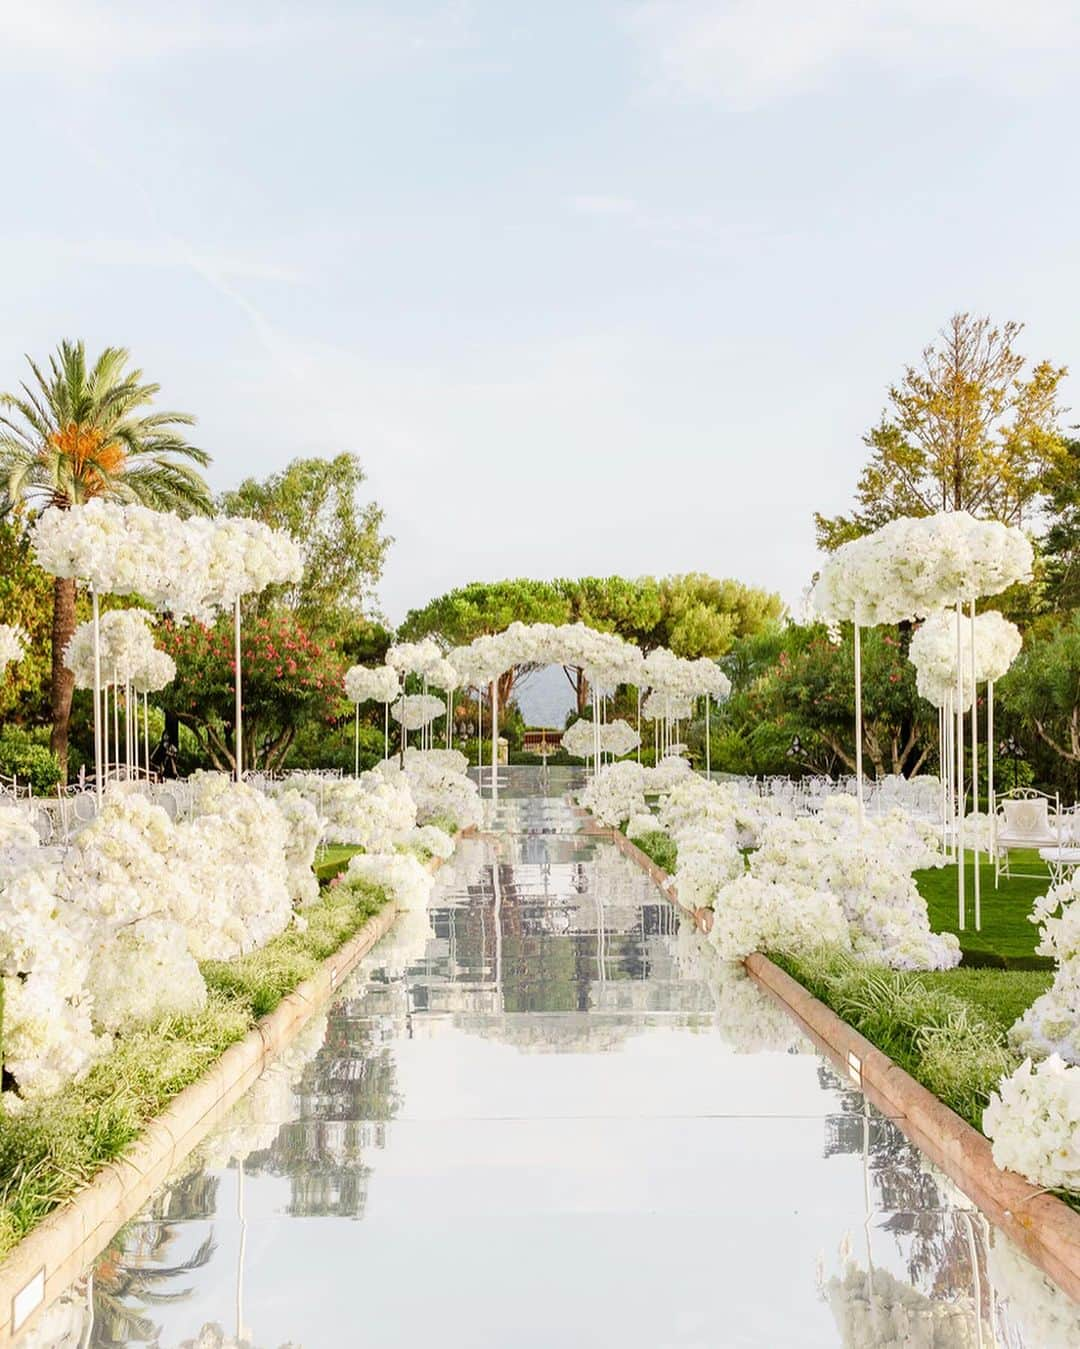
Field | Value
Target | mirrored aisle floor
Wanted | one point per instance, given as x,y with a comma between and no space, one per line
540,1115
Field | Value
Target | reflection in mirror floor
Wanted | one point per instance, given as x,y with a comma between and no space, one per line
540,1114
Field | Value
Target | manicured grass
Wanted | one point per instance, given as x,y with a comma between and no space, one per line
999,995
1006,937
933,1028
333,860
50,1150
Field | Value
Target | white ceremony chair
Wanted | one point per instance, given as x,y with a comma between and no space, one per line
1024,822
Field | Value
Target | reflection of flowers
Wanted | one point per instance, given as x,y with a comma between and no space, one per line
746,1017
874,1307
1035,1304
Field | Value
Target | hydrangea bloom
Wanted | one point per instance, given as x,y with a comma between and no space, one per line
1034,1121
141,973
438,786
616,792
400,874
12,645
1052,1023
933,653
750,915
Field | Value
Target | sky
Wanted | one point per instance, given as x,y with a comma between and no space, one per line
590,287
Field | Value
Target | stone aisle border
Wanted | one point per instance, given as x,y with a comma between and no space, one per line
1041,1224
56,1252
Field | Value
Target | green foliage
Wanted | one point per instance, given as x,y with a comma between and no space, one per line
661,848
26,600
289,678
798,682
968,429
943,1040
51,1149
26,755
317,502
1043,687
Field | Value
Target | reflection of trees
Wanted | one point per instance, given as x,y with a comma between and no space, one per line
128,1280
941,1233
323,1162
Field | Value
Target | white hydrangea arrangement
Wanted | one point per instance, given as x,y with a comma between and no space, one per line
1033,1120
400,874
616,792
707,863
750,914
428,840
12,645
438,786
1051,1025
304,832
17,832
933,653
369,812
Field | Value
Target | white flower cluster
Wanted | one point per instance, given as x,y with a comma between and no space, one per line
616,737
428,840
685,680
1051,1025
1034,1121
109,939
616,792
380,684
914,566
188,566
750,914
304,829
437,782
695,805
12,645
933,653
869,872
126,649
706,864
400,874
17,832
413,710
368,812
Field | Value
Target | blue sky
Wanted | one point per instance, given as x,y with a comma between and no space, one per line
590,287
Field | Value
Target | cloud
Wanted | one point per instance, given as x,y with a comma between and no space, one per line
747,52
87,38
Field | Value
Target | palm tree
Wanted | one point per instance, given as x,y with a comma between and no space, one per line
77,432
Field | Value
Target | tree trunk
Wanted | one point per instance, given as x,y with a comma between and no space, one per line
62,684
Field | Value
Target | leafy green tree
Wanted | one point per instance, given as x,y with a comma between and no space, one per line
26,600
1043,687
970,428
799,683
703,616
289,679
318,502
78,431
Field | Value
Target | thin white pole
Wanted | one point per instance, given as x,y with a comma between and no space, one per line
495,739
858,725
480,737
449,717
942,776
356,744
975,774
116,718
708,746
146,730
97,693
386,731
992,801
959,764
238,714
639,723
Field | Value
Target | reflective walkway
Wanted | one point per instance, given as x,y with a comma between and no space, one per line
540,1115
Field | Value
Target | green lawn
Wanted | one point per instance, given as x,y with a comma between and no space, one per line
1006,937
998,995
332,860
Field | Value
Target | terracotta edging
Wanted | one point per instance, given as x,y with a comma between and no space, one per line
1041,1224
58,1249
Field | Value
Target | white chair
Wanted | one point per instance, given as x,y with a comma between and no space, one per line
1024,822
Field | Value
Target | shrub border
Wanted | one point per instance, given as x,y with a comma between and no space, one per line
1041,1224
49,1258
